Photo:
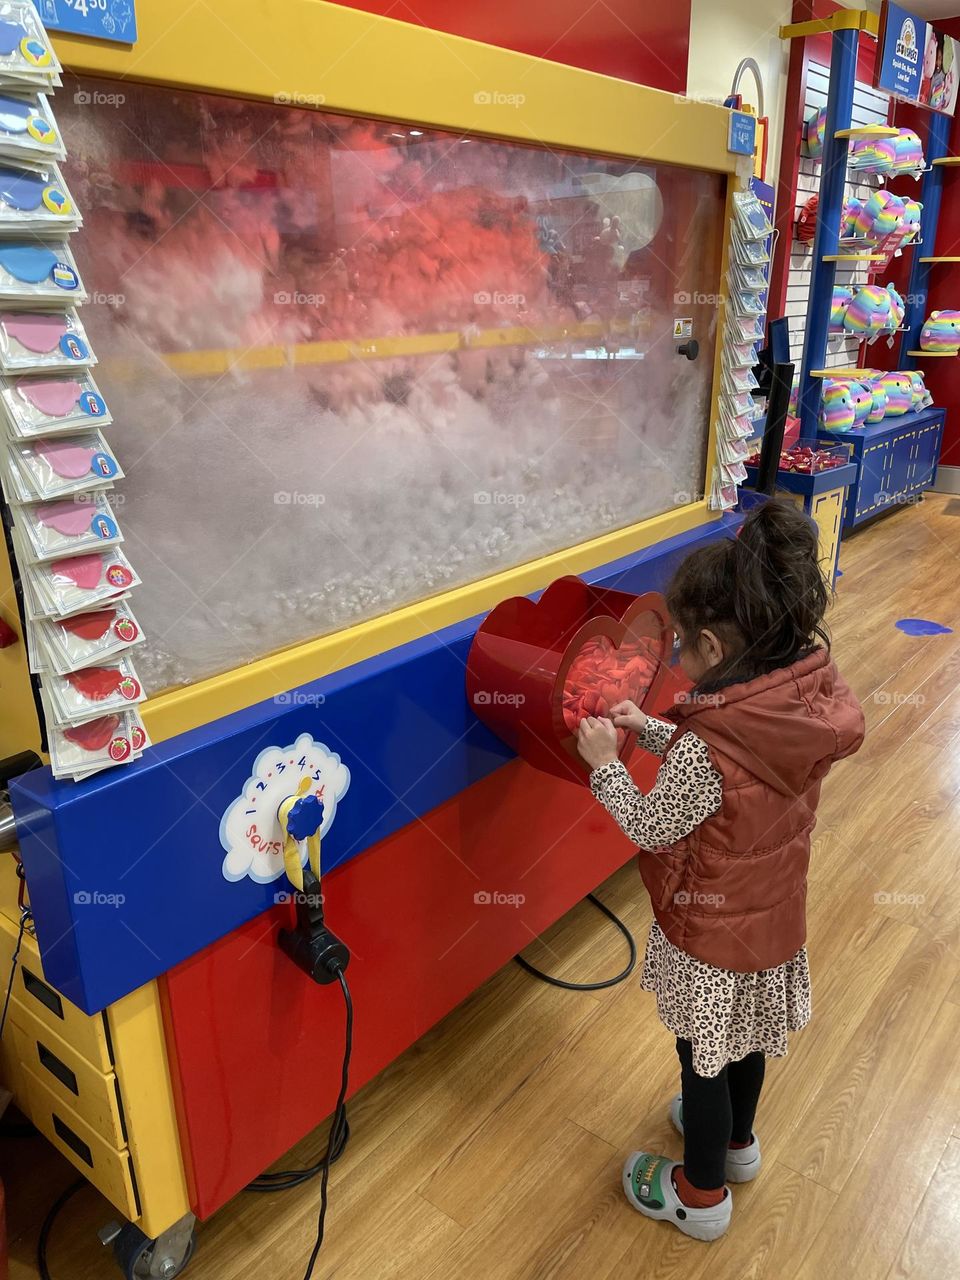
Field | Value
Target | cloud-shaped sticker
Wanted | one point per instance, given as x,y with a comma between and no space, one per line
250,829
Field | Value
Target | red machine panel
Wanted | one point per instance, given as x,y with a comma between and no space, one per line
428,915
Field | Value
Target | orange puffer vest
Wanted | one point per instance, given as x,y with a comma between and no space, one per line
733,892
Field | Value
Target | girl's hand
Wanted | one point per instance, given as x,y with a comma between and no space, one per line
597,741
627,715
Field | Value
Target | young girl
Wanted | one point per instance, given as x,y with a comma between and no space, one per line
724,840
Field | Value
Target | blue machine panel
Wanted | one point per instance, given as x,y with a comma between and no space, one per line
126,870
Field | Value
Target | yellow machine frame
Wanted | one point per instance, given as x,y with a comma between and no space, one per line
346,61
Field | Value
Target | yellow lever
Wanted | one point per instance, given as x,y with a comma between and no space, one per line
291,845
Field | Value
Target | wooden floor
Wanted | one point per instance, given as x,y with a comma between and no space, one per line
492,1149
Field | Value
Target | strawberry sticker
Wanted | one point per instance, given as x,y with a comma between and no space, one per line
119,749
125,629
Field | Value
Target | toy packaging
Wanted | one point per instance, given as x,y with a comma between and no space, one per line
28,130
77,751
34,407
43,342
76,584
39,275
83,522
95,691
53,468
85,639
27,60
35,200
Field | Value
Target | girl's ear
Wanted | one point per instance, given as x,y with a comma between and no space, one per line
711,650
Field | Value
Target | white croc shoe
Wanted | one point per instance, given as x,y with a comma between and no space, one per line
648,1184
743,1163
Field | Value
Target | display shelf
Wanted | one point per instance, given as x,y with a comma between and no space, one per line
933,355
947,161
943,259
837,373
868,131
853,257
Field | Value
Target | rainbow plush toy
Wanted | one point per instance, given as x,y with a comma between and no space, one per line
814,131
899,389
921,396
861,398
836,406
898,309
848,219
908,153
941,332
868,314
872,155
879,394
842,296
880,215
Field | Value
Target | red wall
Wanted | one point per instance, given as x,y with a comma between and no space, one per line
644,42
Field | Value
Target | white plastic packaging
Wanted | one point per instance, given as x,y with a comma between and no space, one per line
69,526
33,407
35,200
85,639
75,584
46,342
27,59
28,130
42,470
78,751
39,275
94,691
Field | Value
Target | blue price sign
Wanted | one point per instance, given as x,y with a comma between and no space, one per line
900,49
742,138
114,20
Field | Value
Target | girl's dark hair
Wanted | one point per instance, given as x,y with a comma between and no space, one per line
763,593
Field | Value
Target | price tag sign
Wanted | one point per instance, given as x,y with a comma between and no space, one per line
113,20
742,138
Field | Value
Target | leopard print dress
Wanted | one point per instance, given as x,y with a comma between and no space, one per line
725,1015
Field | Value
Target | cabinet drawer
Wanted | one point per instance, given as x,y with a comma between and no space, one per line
108,1169
72,1080
44,1007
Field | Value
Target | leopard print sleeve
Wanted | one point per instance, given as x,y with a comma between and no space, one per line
686,792
656,735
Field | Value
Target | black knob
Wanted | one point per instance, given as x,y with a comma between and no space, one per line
689,349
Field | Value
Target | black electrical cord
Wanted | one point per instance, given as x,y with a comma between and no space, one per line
337,1121
25,915
590,986
287,1179
48,1222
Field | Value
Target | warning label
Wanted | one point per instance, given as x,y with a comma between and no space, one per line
683,328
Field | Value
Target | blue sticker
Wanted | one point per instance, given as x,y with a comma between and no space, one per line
74,348
11,33
104,527
62,275
102,464
923,627
92,404
29,263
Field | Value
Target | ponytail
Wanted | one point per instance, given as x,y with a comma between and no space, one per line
763,593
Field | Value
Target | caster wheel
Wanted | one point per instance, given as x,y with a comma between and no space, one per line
134,1254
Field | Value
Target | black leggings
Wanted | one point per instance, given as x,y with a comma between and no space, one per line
717,1110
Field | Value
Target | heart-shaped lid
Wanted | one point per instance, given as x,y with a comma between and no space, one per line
34,330
20,189
69,518
28,263
55,399
96,684
89,626
83,571
95,734
14,114
69,461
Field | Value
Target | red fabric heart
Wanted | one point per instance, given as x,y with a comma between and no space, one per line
602,675
99,683
83,571
89,626
95,734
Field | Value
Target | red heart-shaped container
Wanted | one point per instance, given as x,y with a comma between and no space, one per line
536,666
